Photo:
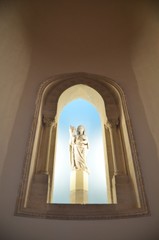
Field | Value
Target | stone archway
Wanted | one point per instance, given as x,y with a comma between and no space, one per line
126,194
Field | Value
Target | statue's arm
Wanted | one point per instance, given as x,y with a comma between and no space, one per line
85,141
72,131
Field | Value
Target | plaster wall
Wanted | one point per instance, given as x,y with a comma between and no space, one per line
114,39
145,58
14,66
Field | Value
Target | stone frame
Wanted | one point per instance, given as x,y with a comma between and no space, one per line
127,196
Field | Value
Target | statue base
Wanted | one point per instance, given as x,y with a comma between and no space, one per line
79,187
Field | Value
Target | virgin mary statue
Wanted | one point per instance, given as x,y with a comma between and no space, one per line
78,148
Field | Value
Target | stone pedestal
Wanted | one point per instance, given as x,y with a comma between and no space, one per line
79,187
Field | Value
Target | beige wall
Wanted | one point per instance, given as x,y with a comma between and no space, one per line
145,59
38,40
14,66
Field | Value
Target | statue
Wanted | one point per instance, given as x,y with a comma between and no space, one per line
78,148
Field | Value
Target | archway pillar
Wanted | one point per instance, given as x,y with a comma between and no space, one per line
43,162
113,157
112,126
122,192
40,192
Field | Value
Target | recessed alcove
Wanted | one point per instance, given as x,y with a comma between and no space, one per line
77,112
125,189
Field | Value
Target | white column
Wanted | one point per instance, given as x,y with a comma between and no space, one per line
43,160
79,187
112,126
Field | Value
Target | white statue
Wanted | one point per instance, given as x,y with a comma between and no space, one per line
78,148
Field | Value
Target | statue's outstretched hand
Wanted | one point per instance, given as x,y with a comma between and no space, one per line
72,130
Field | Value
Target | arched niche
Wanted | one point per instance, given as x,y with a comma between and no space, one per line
125,184
89,96
85,92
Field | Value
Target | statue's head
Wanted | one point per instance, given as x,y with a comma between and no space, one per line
80,130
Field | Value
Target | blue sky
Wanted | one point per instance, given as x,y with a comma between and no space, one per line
80,112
